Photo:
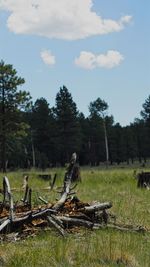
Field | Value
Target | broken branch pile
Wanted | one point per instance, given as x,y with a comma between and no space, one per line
68,212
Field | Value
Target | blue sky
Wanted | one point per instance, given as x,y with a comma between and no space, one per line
95,48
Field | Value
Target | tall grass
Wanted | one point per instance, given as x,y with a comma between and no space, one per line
83,247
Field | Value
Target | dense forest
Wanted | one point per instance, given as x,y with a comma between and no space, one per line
38,135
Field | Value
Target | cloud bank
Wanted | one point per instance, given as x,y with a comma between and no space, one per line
47,57
88,60
61,19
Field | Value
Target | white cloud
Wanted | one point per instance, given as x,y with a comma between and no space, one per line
47,57
62,19
88,60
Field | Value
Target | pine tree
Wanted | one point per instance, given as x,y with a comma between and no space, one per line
12,102
145,113
68,128
41,121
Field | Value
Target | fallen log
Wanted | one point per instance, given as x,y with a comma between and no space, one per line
96,207
68,221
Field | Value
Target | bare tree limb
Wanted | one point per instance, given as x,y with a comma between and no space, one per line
75,222
7,194
4,224
56,225
96,207
67,183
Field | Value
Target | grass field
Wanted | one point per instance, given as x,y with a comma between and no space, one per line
87,248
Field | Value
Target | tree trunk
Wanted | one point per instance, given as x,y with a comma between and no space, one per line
106,143
33,152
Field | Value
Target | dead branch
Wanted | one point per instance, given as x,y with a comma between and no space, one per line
56,225
43,200
67,183
4,224
96,207
8,195
26,194
68,221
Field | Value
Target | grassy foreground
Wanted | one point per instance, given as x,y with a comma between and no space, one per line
87,248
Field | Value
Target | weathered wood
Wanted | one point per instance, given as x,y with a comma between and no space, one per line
81,216
97,226
74,186
75,222
34,215
43,200
62,200
57,220
96,207
23,219
46,211
7,194
56,225
4,224
67,183
26,194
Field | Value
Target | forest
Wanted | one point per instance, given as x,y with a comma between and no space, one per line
35,134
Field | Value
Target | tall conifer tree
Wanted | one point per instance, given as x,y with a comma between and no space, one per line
68,129
12,102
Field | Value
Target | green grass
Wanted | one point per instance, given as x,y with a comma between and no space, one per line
87,248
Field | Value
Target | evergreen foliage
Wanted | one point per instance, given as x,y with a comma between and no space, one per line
67,125
37,135
12,104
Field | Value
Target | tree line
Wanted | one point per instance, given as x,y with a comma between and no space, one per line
37,135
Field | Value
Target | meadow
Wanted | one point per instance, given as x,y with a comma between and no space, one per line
93,248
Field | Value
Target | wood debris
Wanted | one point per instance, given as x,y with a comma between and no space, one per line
68,212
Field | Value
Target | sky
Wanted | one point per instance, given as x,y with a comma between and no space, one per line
96,48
